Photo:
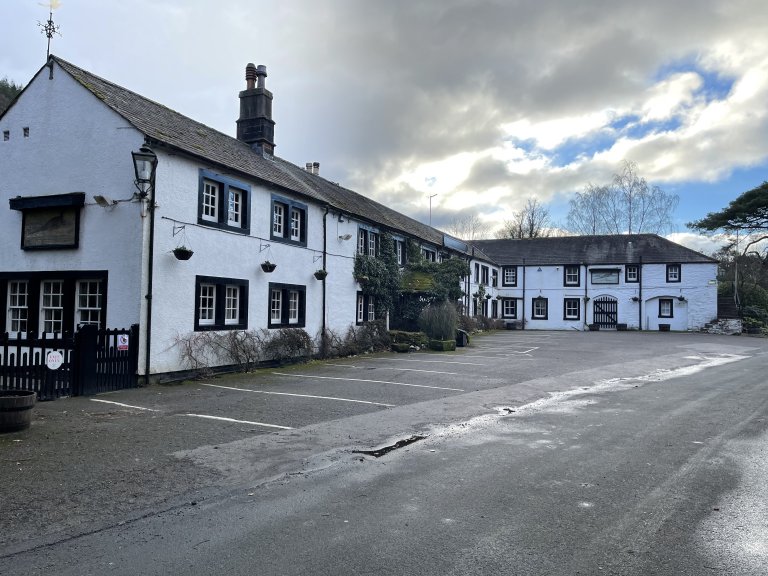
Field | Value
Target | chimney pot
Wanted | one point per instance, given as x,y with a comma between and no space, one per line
315,167
261,72
309,167
250,76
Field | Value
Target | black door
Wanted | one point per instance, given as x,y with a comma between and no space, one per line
605,312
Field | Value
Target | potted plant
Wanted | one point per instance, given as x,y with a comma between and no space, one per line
182,253
268,266
635,299
321,274
16,409
487,296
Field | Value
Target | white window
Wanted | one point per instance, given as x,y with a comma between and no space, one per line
232,305
88,310
399,248
362,238
371,310
235,210
509,309
572,307
207,304
360,308
372,243
18,313
296,224
293,306
278,219
210,201
673,272
540,308
665,308
52,308
510,276
632,274
571,275
276,306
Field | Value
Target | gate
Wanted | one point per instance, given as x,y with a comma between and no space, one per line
605,312
93,360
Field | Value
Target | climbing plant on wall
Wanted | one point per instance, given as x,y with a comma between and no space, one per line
379,276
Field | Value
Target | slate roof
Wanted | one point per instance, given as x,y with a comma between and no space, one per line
605,250
165,126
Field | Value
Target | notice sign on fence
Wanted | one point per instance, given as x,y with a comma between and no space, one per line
54,359
122,341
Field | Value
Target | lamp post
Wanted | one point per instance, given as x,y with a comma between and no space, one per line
145,166
430,208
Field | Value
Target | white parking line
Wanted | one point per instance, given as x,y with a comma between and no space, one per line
237,421
391,368
373,381
124,405
299,395
428,361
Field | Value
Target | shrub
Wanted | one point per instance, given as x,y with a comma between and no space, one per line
410,338
439,321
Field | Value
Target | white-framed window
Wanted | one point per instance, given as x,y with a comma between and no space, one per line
287,305
232,305
484,275
540,308
400,252
632,273
278,219
207,304
18,302
289,221
494,278
293,306
372,237
429,255
210,208
89,305
571,275
221,303
296,216
52,306
509,277
366,310
360,308
223,202
673,272
276,305
235,208
509,308
665,308
571,309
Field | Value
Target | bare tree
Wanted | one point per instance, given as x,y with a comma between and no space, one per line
468,227
530,222
628,206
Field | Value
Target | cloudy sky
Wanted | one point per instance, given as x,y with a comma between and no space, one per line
484,104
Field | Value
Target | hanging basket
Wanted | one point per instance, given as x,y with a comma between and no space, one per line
321,274
182,253
268,266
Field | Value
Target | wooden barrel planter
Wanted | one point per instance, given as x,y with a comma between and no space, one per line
16,409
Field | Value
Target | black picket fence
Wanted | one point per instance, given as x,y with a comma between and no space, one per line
90,361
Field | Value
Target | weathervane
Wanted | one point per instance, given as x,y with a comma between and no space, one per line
49,28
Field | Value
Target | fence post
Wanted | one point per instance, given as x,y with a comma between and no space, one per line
84,368
133,350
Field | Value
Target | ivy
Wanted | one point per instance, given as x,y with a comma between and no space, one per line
379,276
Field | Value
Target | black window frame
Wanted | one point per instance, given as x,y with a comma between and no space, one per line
69,279
671,307
367,300
364,236
615,271
504,270
31,206
679,269
219,322
222,217
286,289
571,267
636,268
289,206
533,308
504,302
566,301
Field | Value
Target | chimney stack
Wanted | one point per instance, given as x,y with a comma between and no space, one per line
255,125
312,167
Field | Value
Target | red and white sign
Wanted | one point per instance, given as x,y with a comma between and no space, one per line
54,359
122,341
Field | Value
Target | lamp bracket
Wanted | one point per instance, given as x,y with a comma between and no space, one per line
315,258
179,228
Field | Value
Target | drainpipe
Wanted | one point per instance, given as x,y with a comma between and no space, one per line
640,294
523,324
325,255
150,264
586,295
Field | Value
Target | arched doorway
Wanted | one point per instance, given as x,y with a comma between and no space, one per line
605,311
